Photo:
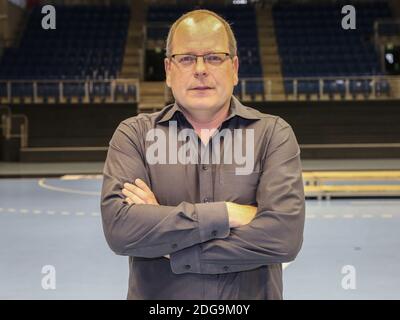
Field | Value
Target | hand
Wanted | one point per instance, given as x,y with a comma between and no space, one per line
138,193
240,215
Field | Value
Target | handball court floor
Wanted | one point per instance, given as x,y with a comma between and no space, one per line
50,216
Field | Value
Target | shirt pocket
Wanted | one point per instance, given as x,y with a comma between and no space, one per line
241,189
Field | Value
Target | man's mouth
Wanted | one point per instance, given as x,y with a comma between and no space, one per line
202,88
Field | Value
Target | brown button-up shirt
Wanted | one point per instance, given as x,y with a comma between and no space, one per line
208,259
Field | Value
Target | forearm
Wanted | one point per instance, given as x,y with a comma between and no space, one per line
272,237
154,231
237,215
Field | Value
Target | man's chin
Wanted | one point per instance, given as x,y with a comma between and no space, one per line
201,103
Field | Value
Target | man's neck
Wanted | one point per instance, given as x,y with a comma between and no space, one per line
207,121
205,125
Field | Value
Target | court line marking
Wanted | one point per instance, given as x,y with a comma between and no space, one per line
42,184
51,212
81,177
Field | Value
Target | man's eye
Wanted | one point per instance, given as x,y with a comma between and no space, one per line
214,58
186,59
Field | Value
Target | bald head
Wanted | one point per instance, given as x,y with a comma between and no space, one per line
200,24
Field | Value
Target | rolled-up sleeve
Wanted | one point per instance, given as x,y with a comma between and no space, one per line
275,235
150,230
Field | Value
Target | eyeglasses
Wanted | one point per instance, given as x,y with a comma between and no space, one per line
189,60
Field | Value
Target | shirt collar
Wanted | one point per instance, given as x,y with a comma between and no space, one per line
236,109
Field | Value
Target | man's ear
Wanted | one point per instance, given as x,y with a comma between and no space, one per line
167,67
235,62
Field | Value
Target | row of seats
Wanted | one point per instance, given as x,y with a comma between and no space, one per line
88,43
312,43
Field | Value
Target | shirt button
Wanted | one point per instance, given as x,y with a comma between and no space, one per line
204,167
174,246
226,268
206,200
214,233
187,267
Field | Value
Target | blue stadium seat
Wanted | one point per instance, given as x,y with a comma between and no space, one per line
332,87
311,44
254,87
382,87
89,42
73,89
360,86
131,94
22,90
48,90
101,90
3,89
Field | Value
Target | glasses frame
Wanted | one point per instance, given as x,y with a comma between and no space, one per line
172,57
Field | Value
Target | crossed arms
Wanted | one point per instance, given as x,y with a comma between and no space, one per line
210,238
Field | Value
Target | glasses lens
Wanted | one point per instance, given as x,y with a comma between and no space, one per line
215,58
185,59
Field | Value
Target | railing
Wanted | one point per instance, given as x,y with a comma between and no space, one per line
328,88
67,91
14,126
316,88
248,89
5,123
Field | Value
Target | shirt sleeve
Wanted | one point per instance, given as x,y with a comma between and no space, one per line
275,235
150,230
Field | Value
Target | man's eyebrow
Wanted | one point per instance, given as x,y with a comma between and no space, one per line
207,52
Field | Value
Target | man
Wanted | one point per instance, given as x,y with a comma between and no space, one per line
203,229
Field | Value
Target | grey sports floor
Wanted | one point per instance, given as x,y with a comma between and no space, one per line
350,250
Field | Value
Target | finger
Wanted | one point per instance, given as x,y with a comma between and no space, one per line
129,201
132,196
136,190
142,185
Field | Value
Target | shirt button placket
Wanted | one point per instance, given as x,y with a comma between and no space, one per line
205,180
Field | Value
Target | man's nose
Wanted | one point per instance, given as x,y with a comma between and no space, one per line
200,67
